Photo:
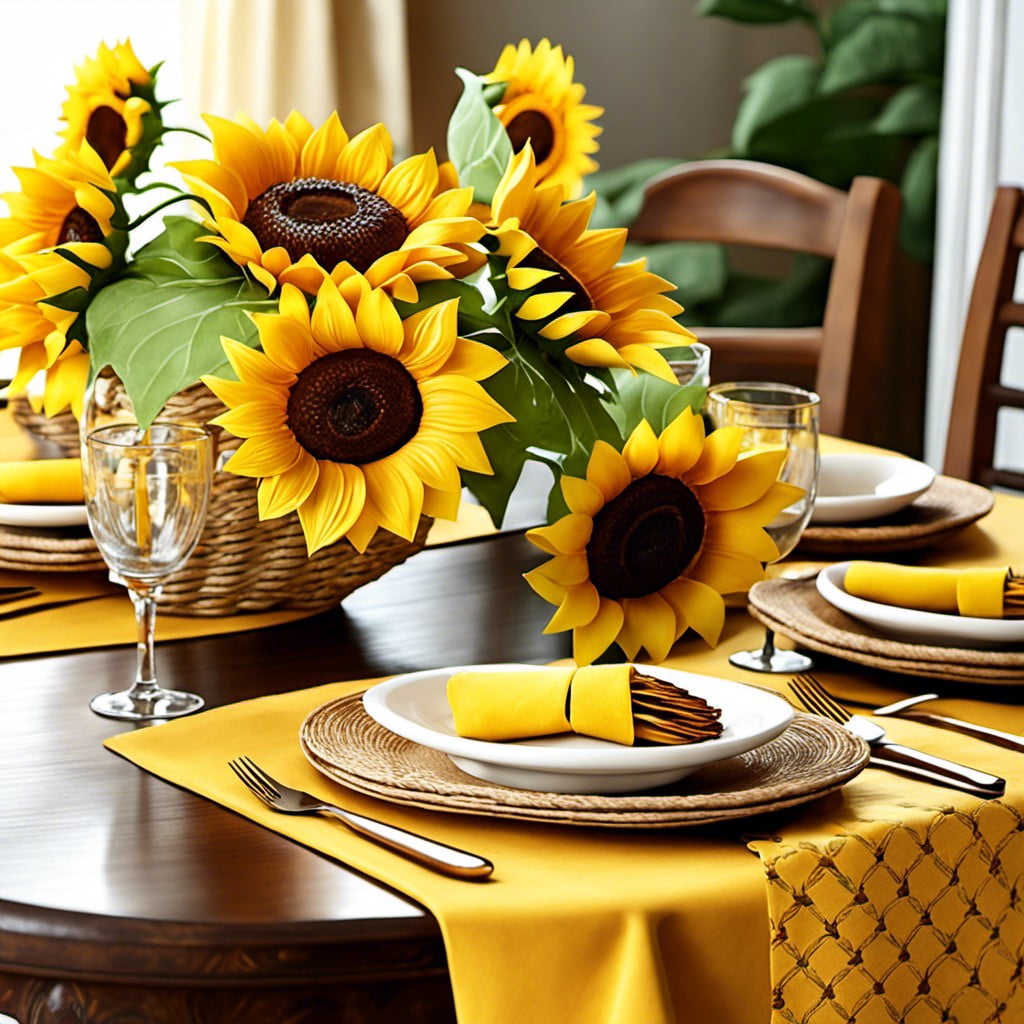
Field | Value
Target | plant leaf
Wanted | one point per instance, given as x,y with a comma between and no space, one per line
915,110
920,188
757,11
845,19
779,87
884,48
162,336
177,253
478,144
646,397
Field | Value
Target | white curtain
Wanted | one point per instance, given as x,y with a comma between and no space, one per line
268,57
981,148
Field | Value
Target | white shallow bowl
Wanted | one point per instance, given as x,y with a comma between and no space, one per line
936,628
42,515
853,488
415,707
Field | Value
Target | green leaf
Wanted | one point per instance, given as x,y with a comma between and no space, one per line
779,87
177,254
620,190
757,11
646,397
847,18
478,144
162,336
915,110
920,188
881,49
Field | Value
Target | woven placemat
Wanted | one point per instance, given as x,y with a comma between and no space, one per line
811,758
72,550
795,609
946,507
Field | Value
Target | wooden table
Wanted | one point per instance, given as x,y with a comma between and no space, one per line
125,899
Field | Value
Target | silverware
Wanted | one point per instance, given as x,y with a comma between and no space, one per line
885,753
446,859
901,709
10,595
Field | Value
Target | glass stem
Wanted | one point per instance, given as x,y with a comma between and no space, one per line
144,599
768,650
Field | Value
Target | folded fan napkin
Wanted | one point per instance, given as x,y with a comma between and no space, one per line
41,482
610,702
989,593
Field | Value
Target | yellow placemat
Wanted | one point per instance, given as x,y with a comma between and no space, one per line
619,928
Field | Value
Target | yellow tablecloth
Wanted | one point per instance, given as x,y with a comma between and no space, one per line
895,900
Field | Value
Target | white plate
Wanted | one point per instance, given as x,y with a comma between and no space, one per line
415,707
853,488
42,515
937,628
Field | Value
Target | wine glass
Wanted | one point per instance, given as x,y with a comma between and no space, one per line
146,495
775,416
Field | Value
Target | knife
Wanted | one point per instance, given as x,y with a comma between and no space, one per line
1003,739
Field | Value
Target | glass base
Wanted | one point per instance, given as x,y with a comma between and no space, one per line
772,661
159,703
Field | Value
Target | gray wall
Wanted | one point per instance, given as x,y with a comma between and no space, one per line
669,80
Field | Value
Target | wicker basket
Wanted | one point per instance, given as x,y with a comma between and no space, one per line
241,564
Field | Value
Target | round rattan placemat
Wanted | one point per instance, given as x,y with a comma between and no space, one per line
49,550
811,758
795,609
946,507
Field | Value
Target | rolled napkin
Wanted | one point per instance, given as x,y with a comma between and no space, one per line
41,482
609,702
988,593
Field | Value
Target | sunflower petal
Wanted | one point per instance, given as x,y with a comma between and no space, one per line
284,493
641,450
333,506
680,444
579,606
696,607
566,536
593,639
747,481
649,622
721,449
608,471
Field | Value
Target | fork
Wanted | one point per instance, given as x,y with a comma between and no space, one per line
446,859
886,754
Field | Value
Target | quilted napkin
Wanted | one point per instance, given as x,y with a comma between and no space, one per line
41,481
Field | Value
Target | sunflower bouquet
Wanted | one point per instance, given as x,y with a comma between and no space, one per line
384,333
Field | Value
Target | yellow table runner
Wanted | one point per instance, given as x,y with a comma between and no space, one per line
592,926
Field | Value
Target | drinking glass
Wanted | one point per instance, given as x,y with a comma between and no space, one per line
146,495
775,416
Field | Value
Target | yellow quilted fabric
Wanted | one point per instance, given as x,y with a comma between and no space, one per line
899,922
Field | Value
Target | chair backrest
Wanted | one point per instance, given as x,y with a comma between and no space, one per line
979,393
746,203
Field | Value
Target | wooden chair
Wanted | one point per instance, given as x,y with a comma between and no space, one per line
979,392
745,203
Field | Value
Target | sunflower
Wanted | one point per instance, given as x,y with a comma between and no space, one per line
293,205
615,314
655,535
55,242
104,106
354,417
543,105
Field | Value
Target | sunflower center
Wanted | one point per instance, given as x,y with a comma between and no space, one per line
354,406
79,226
645,537
332,220
534,127
107,133
561,281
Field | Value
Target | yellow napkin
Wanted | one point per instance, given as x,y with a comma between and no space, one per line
41,481
975,592
533,702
